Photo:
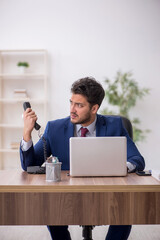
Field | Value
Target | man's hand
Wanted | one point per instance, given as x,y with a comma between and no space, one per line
29,118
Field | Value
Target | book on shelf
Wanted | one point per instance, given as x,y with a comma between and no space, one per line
20,93
14,145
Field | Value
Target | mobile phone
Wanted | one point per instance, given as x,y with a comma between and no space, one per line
28,105
144,173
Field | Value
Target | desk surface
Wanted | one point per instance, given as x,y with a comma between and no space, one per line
27,199
20,181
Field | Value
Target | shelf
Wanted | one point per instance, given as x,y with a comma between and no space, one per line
8,150
20,100
23,50
20,76
5,125
17,87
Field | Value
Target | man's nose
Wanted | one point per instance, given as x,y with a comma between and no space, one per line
72,108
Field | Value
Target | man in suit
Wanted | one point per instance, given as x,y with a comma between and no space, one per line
86,97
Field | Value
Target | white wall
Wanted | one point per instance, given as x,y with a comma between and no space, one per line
92,38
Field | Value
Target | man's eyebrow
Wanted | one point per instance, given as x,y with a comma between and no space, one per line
76,102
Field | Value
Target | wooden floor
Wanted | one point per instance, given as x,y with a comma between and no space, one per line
144,232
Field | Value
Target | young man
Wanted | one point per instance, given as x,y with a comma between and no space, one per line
86,98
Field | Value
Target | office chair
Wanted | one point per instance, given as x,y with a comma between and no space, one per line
128,126
87,230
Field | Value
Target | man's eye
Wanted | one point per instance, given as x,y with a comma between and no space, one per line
80,105
71,103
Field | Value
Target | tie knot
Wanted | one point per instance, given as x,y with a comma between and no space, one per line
83,132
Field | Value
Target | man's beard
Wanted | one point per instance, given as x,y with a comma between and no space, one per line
83,120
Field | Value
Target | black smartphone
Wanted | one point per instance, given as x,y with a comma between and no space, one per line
144,173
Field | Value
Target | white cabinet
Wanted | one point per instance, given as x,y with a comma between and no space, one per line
17,87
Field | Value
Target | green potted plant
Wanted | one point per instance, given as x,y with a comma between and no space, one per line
22,66
122,94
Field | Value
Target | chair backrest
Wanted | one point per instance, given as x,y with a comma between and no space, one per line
127,124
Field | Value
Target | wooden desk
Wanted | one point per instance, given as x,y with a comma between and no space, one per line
27,199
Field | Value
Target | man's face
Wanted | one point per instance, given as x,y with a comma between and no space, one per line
81,111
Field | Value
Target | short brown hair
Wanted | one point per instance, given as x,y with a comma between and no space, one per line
89,88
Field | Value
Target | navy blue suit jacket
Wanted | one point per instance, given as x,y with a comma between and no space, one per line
58,132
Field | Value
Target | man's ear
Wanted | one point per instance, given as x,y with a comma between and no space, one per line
95,108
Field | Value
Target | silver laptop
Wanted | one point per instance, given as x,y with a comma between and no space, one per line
98,156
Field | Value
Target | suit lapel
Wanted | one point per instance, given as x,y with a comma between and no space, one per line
101,127
68,132
68,129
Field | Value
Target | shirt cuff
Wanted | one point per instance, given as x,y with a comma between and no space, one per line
131,167
26,145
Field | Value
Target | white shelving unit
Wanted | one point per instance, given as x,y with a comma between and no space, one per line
34,81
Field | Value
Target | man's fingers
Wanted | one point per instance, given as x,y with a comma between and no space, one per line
29,113
28,110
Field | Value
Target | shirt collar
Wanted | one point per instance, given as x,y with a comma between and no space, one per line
91,128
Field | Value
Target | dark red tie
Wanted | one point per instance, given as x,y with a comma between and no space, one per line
83,132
